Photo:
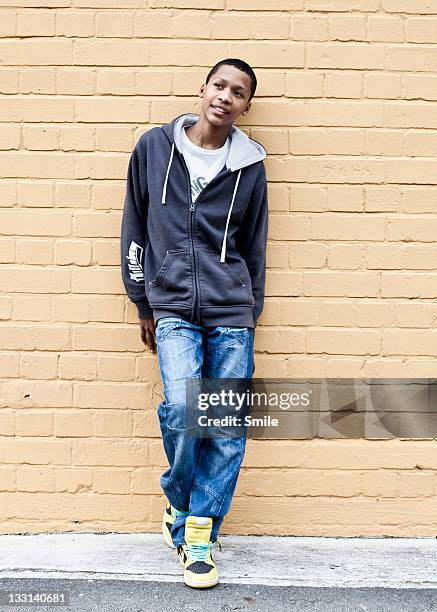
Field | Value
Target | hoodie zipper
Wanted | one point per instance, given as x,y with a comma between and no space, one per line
192,209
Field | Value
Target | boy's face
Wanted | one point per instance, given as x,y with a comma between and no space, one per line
229,89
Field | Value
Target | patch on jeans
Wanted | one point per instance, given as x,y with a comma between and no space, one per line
176,417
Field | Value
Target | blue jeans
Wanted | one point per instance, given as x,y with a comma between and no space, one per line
203,472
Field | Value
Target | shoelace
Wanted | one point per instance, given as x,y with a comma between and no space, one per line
199,552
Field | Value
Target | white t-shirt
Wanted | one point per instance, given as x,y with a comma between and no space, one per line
203,164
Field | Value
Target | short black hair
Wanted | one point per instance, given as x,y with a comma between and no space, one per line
240,65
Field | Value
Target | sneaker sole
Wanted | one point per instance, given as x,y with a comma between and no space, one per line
168,541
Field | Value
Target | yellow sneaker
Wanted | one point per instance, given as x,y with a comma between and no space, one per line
168,519
200,571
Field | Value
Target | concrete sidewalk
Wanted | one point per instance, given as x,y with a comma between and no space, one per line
138,572
283,561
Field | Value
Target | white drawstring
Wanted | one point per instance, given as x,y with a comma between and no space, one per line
164,190
223,253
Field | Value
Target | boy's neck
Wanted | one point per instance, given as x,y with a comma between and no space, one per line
207,136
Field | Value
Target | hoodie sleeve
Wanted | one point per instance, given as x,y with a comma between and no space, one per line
253,241
134,235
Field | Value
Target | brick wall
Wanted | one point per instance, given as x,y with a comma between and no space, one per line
346,108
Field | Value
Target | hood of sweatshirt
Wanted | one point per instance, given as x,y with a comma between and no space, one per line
243,152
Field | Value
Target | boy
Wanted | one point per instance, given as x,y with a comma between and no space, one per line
193,243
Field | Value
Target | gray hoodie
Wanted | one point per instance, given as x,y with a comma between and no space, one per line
204,262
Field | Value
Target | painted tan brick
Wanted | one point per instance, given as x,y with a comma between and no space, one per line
117,453
108,395
342,5
191,24
36,23
113,109
115,368
107,309
309,27
334,341
76,81
230,25
70,308
347,227
382,85
347,27
7,479
155,82
107,252
34,423
80,366
72,480
385,257
374,314
34,251
275,141
39,452
346,199
285,55
304,84
409,6
113,423
359,113
299,311
352,284
418,285
271,340
36,52
9,367
307,198
35,193
345,55
414,315
343,85
345,141
146,480
381,199
112,481
76,252
269,26
151,24
283,283
277,255
384,142
146,424
409,342
8,25
115,24
76,138
34,479
10,137
73,194
74,424
284,227
308,255
111,53
411,228
271,314
337,313
41,138
77,24
7,420
382,28
108,195
10,80
419,86
39,366
345,257
32,308
418,199
114,138
35,223
257,5
35,280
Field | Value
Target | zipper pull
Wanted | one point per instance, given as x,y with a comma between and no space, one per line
192,207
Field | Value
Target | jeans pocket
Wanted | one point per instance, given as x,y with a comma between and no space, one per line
177,418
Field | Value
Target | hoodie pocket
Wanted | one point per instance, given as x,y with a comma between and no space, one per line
223,284
173,283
